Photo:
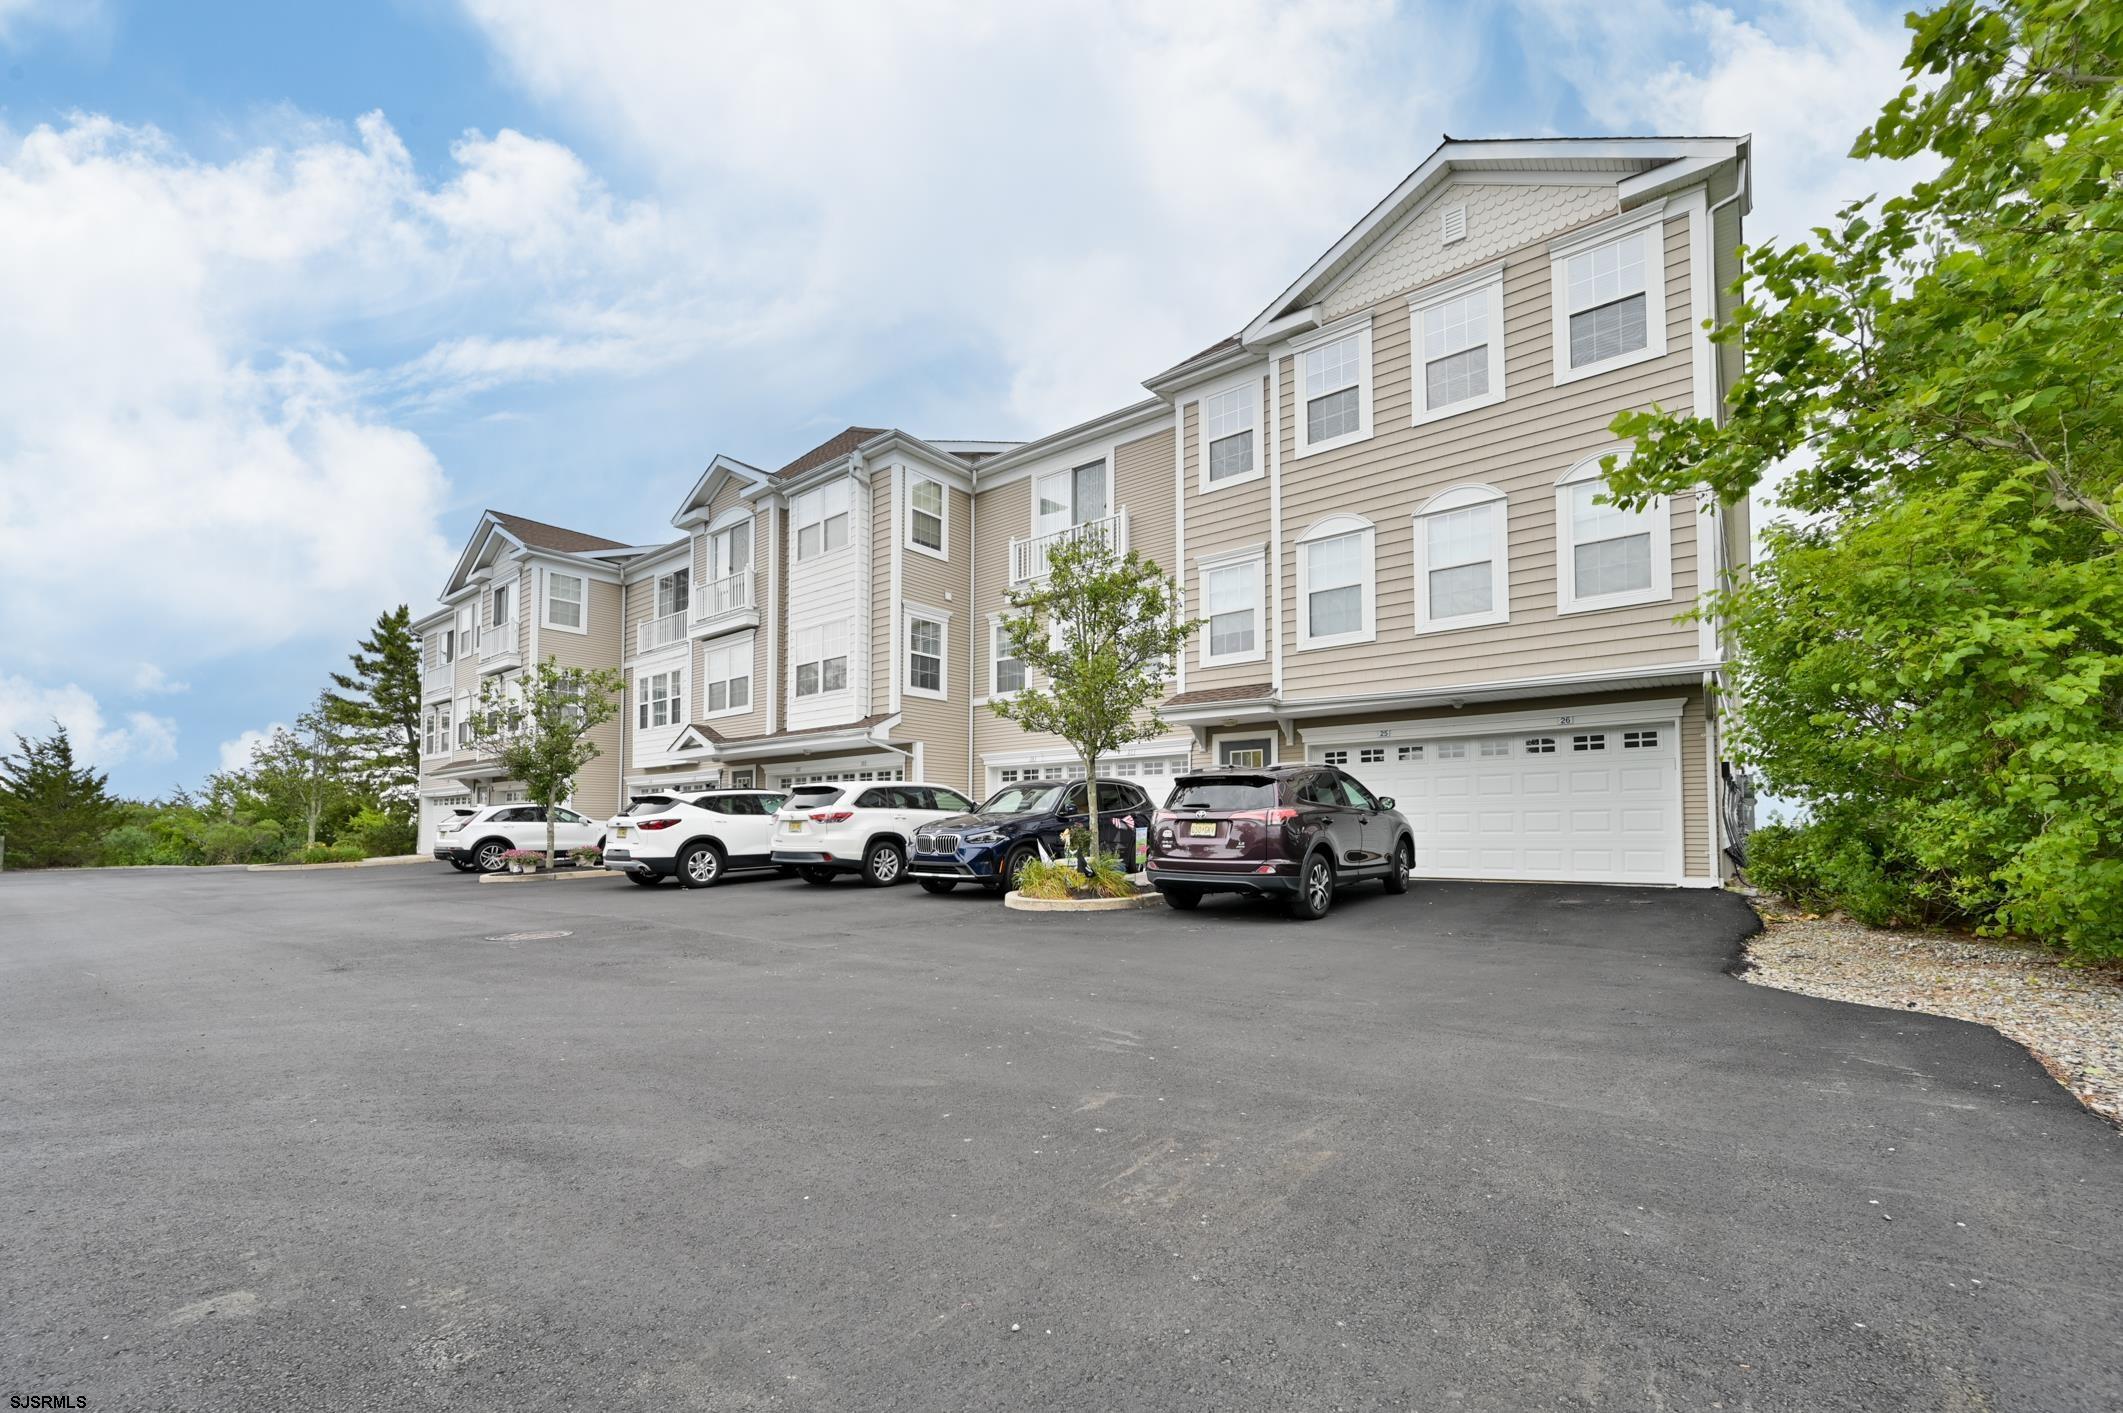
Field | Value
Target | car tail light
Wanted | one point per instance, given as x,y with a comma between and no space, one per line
832,816
657,823
1281,815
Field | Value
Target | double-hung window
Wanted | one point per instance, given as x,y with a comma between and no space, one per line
820,516
925,653
926,500
1609,292
821,654
1230,434
1336,583
1006,670
1231,601
564,596
502,606
1608,556
726,677
1334,390
1461,567
1062,499
660,699
1458,337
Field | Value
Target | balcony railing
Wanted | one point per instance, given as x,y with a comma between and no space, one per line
661,632
439,677
719,598
498,640
1028,557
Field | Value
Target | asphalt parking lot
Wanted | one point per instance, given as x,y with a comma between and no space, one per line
367,1139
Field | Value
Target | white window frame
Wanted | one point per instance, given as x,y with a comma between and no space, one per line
1104,462
803,653
1488,287
1206,567
545,602
735,651
1248,390
670,577
909,616
1335,527
498,604
1361,332
1649,223
817,506
1659,515
675,700
942,548
1444,503
720,540
996,656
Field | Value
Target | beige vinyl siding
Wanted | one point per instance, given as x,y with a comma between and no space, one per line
641,607
1219,520
940,726
525,605
1695,777
1142,481
883,518
597,788
1521,446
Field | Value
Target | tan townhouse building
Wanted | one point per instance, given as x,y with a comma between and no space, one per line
1382,496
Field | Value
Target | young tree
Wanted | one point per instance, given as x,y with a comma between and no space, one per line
53,813
539,728
305,766
378,705
1102,630
1935,661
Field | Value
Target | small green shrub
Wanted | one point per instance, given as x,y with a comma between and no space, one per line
1052,880
328,853
1109,879
377,834
1836,861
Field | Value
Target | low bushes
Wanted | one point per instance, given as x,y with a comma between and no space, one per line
1053,880
328,853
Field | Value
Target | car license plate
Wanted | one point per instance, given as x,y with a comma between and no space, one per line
1201,829
796,826
621,831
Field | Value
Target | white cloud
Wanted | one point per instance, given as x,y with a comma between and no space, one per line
189,462
19,17
236,754
1080,193
30,710
150,680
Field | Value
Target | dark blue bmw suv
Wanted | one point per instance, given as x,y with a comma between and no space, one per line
1010,828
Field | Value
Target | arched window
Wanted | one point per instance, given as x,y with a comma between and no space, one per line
1337,587
1462,566
1607,557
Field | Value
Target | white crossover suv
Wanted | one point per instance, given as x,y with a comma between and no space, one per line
477,839
824,831
696,839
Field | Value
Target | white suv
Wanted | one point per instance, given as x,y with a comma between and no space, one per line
695,838
477,839
827,830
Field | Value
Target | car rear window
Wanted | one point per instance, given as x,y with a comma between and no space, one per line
1248,792
810,797
650,804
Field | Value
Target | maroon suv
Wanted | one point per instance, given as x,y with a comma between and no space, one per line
1297,832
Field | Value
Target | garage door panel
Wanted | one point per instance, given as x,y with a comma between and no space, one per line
1600,805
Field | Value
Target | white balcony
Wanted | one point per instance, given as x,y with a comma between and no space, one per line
439,677
660,632
721,604
1028,557
498,647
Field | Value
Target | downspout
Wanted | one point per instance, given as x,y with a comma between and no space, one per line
973,616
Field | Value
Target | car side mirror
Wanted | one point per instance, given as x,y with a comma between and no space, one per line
1385,802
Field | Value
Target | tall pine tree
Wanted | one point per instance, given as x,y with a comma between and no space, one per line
378,703
53,813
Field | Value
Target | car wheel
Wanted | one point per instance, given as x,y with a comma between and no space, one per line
700,865
819,876
460,865
1013,865
646,880
883,865
1315,889
487,858
938,885
1185,899
1403,860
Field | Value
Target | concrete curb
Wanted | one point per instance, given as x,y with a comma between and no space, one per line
565,875
350,863
1139,903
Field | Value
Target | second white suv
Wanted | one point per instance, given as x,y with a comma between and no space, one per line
824,831
694,838
476,839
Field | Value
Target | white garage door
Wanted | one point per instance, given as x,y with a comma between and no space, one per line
1154,774
1588,805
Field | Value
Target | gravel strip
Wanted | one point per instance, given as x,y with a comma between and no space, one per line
2069,1017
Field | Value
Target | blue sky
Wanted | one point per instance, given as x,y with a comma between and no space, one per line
290,293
